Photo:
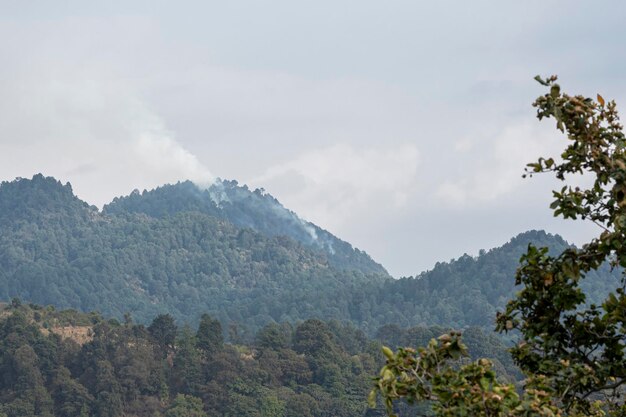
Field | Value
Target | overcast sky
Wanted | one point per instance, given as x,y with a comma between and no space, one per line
400,126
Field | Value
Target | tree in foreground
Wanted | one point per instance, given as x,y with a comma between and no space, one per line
571,353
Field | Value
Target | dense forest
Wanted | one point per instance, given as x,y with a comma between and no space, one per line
173,250
256,210
68,364
469,291
55,249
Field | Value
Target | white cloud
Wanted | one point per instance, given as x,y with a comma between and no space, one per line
464,145
495,169
92,130
115,97
332,184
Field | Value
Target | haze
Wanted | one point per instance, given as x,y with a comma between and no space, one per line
401,126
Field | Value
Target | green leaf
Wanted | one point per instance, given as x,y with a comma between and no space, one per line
387,352
371,398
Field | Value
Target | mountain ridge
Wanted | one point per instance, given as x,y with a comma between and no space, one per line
56,249
470,290
242,207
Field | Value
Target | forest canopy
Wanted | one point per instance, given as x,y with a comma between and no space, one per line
166,254
63,363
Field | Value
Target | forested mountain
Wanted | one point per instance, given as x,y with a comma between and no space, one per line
67,364
177,250
470,290
56,249
257,210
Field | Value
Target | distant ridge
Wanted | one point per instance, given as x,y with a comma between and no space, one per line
470,290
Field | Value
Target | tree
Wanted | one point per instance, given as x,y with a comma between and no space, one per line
274,336
186,372
209,335
108,400
71,399
186,406
163,331
313,337
572,353
29,385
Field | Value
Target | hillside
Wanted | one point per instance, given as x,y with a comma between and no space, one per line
67,364
256,210
56,249
469,290
174,250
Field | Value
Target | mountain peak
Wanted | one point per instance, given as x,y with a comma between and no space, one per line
537,237
254,209
24,197
39,182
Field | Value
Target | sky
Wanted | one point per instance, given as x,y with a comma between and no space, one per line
402,127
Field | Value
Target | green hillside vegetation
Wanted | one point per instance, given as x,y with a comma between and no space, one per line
255,210
68,364
56,249
469,291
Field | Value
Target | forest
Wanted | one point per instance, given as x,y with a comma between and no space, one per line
165,251
312,209
63,363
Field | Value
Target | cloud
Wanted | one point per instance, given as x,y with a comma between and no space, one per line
157,152
88,126
113,98
494,169
332,184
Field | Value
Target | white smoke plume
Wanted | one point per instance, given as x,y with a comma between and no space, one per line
89,129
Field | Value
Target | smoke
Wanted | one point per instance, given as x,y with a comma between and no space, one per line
73,106
91,129
216,191
309,229
157,151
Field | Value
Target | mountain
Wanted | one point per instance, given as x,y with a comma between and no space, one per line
470,290
237,255
56,249
41,198
256,210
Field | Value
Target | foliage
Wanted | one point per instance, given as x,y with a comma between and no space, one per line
186,406
163,254
571,352
256,210
580,348
55,249
433,374
315,368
